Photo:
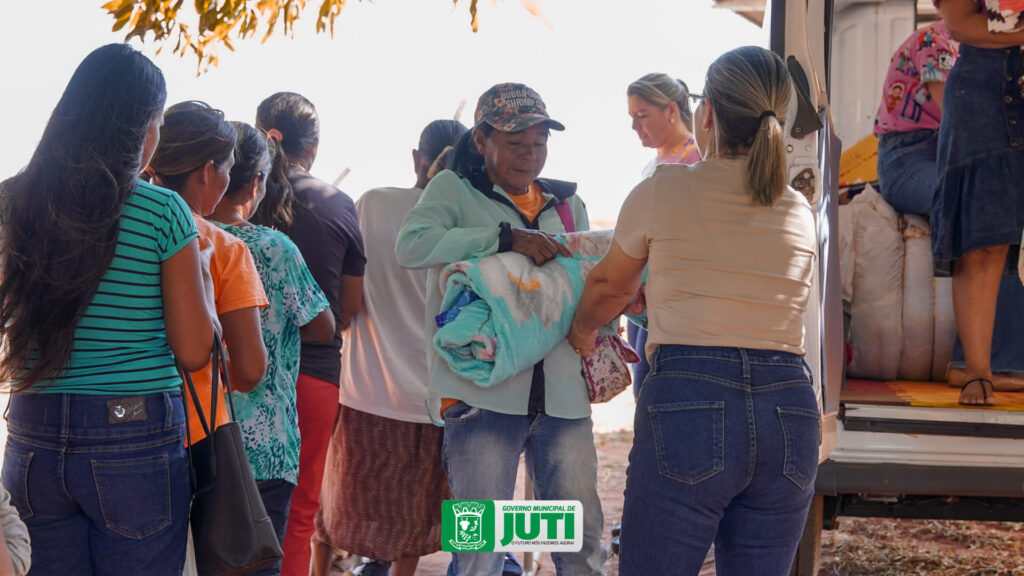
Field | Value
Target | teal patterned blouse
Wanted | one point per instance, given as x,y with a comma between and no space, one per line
267,414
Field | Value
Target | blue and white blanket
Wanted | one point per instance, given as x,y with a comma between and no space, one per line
502,314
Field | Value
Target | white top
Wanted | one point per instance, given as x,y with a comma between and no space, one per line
384,355
722,271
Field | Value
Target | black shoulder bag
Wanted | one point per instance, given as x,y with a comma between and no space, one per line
231,530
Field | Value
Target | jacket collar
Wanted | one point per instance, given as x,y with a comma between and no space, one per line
560,189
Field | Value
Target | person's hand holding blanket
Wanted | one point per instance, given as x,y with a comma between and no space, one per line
538,245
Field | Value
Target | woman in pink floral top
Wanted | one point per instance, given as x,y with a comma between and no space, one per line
978,208
660,108
907,124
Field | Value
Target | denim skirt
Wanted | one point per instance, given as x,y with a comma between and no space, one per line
979,197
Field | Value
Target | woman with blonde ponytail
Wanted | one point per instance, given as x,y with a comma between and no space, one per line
725,445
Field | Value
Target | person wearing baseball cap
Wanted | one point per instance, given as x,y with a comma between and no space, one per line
490,200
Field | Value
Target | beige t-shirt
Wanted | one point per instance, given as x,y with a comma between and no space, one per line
722,271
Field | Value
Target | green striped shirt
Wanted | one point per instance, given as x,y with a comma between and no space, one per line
121,342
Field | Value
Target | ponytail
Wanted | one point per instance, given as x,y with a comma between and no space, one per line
464,159
749,90
766,163
276,209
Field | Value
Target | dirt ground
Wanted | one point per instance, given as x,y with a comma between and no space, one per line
858,547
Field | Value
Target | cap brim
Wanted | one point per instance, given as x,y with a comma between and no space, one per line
524,121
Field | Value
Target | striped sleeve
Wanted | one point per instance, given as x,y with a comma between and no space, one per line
175,228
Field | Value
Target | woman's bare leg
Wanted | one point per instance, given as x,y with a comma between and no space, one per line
321,559
404,567
975,288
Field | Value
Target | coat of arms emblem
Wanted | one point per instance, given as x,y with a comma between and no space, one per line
468,526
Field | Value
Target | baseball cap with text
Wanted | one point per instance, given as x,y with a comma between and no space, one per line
513,107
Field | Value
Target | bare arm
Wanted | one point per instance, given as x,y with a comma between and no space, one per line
186,316
609,288
935,91
350,296
247,355
320,328
967,25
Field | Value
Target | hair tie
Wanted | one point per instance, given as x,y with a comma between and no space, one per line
766,114
275,135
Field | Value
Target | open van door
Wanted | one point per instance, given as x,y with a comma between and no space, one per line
801,35
889,448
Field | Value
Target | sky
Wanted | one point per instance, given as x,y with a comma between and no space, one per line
395,65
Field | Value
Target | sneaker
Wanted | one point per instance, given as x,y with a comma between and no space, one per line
512,567
371,567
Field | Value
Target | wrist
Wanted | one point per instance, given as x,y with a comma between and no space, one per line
504,237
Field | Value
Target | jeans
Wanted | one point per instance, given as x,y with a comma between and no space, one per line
907,170
100,496
637,338
277,499
725,451
481,457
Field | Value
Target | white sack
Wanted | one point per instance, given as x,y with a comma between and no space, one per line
847,217
918,300
877,307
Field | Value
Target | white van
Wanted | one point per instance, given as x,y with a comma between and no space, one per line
882,454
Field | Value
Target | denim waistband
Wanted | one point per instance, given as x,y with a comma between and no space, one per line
94,417
746,368
667,352
992,54
900,139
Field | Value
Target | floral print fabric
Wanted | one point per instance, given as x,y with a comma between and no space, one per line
267,414
925,57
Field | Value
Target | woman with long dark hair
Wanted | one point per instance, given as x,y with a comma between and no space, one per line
100,292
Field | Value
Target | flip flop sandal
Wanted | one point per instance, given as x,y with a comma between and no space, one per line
986,393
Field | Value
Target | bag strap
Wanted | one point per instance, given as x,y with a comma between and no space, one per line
221,365
565,213
188,389
220,370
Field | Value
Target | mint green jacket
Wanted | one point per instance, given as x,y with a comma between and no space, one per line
460,218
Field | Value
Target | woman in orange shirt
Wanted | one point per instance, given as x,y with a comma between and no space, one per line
194,159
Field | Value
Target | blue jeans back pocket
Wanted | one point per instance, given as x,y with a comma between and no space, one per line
15,479
802,430
135,495
689,439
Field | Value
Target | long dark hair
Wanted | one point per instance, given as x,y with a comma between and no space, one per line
465,158
250,147
61,214
278,206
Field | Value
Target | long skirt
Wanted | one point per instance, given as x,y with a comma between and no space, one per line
383,487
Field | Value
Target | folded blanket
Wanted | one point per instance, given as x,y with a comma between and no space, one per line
517,312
